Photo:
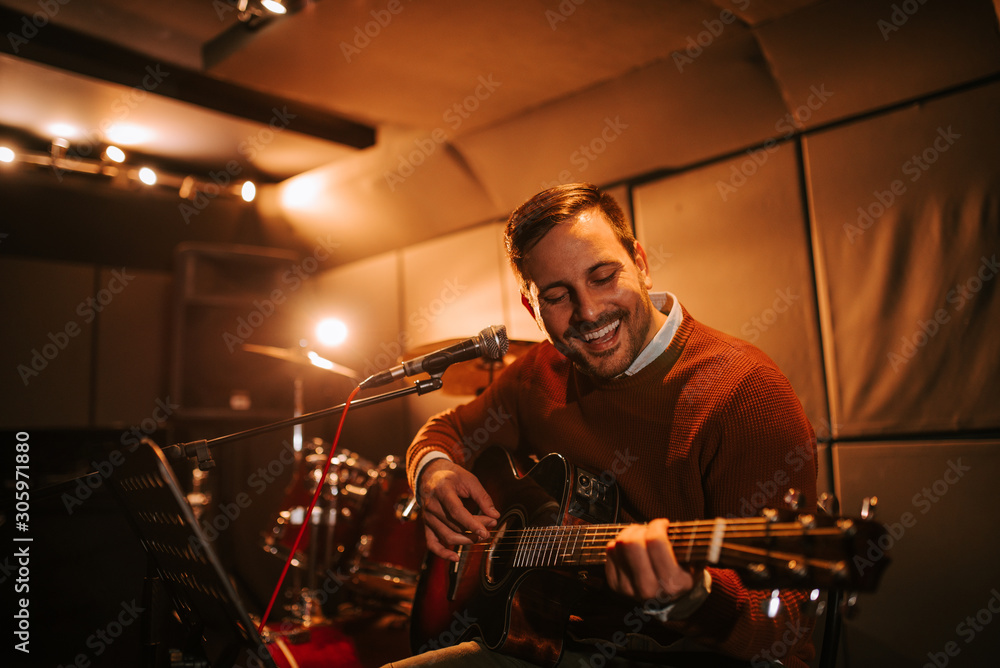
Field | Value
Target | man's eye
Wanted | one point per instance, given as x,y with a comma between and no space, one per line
554,299
605,279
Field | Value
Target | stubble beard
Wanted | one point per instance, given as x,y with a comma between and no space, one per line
633,330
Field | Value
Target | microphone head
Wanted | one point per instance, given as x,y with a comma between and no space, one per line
493,342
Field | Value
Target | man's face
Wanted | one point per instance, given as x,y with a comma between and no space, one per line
589,296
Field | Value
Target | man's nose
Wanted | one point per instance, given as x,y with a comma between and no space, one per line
588,306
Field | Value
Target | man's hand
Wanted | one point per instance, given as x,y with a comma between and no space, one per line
442,486
641,564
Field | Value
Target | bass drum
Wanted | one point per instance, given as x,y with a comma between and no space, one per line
335,528
391,549
292,645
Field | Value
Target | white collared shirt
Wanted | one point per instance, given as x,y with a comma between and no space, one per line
663,337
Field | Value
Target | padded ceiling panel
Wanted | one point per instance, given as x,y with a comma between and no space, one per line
866,54
907,216
739,259
661,116
405,190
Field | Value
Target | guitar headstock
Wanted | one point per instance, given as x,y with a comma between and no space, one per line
802,550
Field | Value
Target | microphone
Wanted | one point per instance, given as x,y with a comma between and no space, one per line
490,343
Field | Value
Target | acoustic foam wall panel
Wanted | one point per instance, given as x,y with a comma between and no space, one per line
132,348
938,501
906,209
730,241
47,341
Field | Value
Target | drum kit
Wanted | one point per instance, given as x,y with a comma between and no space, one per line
359,534
364,531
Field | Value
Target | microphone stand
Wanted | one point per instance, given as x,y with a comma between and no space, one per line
200,449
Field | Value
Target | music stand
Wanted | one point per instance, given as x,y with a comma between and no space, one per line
181,562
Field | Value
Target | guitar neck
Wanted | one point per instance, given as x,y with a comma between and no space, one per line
698,542
586,544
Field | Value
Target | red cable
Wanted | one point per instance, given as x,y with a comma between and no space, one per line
308,516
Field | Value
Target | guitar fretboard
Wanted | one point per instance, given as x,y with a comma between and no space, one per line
693,542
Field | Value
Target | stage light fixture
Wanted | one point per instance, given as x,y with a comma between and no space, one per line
147,176
6,154
114,154
331,332
63,130
248,191
274,6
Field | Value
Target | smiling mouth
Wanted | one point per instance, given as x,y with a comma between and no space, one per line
602,334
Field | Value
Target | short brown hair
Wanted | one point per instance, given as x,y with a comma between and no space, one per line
532,220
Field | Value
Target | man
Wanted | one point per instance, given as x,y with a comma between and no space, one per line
692,422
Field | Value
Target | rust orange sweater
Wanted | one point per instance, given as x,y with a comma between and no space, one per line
710,428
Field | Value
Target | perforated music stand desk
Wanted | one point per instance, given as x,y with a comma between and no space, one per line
198,590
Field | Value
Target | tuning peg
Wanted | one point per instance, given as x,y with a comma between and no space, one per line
771,606
795,498
770,514
829,504
868,505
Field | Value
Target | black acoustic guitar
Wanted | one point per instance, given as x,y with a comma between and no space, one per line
516,589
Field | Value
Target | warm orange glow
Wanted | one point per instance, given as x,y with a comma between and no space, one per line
331,332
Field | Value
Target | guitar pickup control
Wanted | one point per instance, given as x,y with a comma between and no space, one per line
594,500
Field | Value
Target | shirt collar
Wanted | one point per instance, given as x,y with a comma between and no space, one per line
663,337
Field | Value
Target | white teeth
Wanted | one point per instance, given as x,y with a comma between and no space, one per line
604,331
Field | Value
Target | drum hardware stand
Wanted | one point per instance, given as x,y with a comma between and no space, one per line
306,609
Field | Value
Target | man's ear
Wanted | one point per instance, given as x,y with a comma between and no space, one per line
527,305
642,262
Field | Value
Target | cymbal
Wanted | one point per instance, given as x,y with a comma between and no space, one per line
303,357
471,377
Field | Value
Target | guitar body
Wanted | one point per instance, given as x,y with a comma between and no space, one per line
517,610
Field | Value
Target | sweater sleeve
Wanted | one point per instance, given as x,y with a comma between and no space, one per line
759,445
465,431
